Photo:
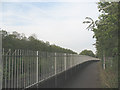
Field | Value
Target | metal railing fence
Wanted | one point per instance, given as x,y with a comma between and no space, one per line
24,68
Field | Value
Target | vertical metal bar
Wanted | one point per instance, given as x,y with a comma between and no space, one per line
1,62
43,64
3,56
6,70
24,55
25,66
15,70
17,67
50,61
9,72
32,68
22,73
46,66
52,64
68,60
65,61
34,65
19,72
31,74
55,71
71,59
21,69
55,64
40,64
65,64
12,57
28,67
37,68
61,62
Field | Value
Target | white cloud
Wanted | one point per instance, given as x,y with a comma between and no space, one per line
50,0
59,0
61,25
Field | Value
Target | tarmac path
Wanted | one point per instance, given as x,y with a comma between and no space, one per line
88,77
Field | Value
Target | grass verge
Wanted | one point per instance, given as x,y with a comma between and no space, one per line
109,76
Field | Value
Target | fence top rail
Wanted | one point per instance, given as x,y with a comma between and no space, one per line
21,52
6,50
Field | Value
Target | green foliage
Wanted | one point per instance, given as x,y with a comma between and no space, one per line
106,34
87,52
106,29
20,41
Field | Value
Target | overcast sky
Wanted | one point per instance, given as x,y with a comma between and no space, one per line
56,21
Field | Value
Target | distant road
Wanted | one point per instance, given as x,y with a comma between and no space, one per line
88,77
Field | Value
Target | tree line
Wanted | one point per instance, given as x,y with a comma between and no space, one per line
16,40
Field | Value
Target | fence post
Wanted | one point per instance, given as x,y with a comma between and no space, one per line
65,64
103,57
9,67
37,69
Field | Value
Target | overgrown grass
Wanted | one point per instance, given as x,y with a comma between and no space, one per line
109,76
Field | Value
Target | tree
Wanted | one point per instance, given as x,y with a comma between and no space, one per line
91,22
105,29
20,41
87,52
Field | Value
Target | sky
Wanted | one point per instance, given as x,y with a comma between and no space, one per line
57,21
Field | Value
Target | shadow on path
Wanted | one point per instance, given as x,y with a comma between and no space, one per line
88,77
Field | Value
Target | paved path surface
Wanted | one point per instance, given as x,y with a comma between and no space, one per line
88,77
